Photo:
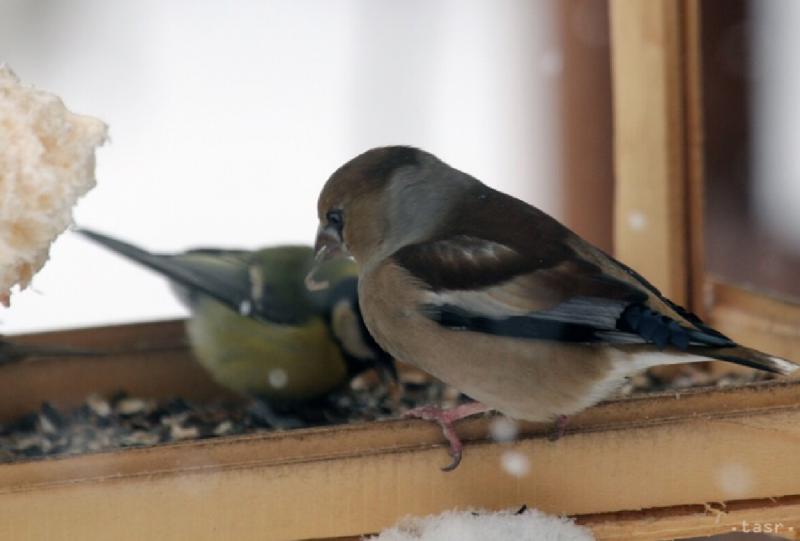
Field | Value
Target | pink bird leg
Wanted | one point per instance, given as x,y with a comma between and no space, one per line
446,418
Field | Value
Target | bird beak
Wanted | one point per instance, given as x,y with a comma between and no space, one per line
328,245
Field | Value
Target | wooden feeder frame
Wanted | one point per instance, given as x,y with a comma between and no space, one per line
657,467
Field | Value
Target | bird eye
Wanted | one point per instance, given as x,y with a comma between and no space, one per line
335,218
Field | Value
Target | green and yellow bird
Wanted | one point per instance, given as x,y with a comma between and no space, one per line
256,327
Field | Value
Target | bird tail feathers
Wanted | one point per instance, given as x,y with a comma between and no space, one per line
751,358
183,271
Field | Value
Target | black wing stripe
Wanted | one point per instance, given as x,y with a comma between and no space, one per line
637,324
662,331
595,312
452,317
706,333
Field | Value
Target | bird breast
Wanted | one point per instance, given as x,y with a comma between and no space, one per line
534,380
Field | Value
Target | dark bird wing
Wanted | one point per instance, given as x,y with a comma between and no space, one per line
348,328
223,275
572,301
514,271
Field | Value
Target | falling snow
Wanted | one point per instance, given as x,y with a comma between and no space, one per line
637,220
515,463
503,429
278,378
735,480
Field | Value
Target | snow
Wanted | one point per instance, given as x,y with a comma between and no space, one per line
503,429
529,525
515,463
735,480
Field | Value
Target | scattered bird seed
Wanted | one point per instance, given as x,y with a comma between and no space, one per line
178,432
102,424
98,405
140,437
132,406
224,428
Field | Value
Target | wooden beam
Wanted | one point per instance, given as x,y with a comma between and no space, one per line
585,94
774,516
143,359
651,215
756,319
695,157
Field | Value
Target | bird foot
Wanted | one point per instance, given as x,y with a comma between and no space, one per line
445,419
264,413
560,429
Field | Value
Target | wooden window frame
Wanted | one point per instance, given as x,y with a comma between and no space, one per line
659,173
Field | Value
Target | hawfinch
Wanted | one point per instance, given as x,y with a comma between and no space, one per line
258,331
495,297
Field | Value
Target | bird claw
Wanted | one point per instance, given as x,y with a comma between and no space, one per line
560,429
445,419
426,413
456,455
264,413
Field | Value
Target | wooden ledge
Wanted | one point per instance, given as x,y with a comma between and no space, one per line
146,359
720,445
776,516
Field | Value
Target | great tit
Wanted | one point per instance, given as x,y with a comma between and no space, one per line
256,327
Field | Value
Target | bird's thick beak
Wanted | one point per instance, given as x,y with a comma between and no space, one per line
328,245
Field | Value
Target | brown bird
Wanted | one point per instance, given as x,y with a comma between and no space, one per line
495,297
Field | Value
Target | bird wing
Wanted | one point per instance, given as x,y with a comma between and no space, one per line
347,325
481,285
223,275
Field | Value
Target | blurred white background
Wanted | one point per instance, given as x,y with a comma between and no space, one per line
226,118
776,119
